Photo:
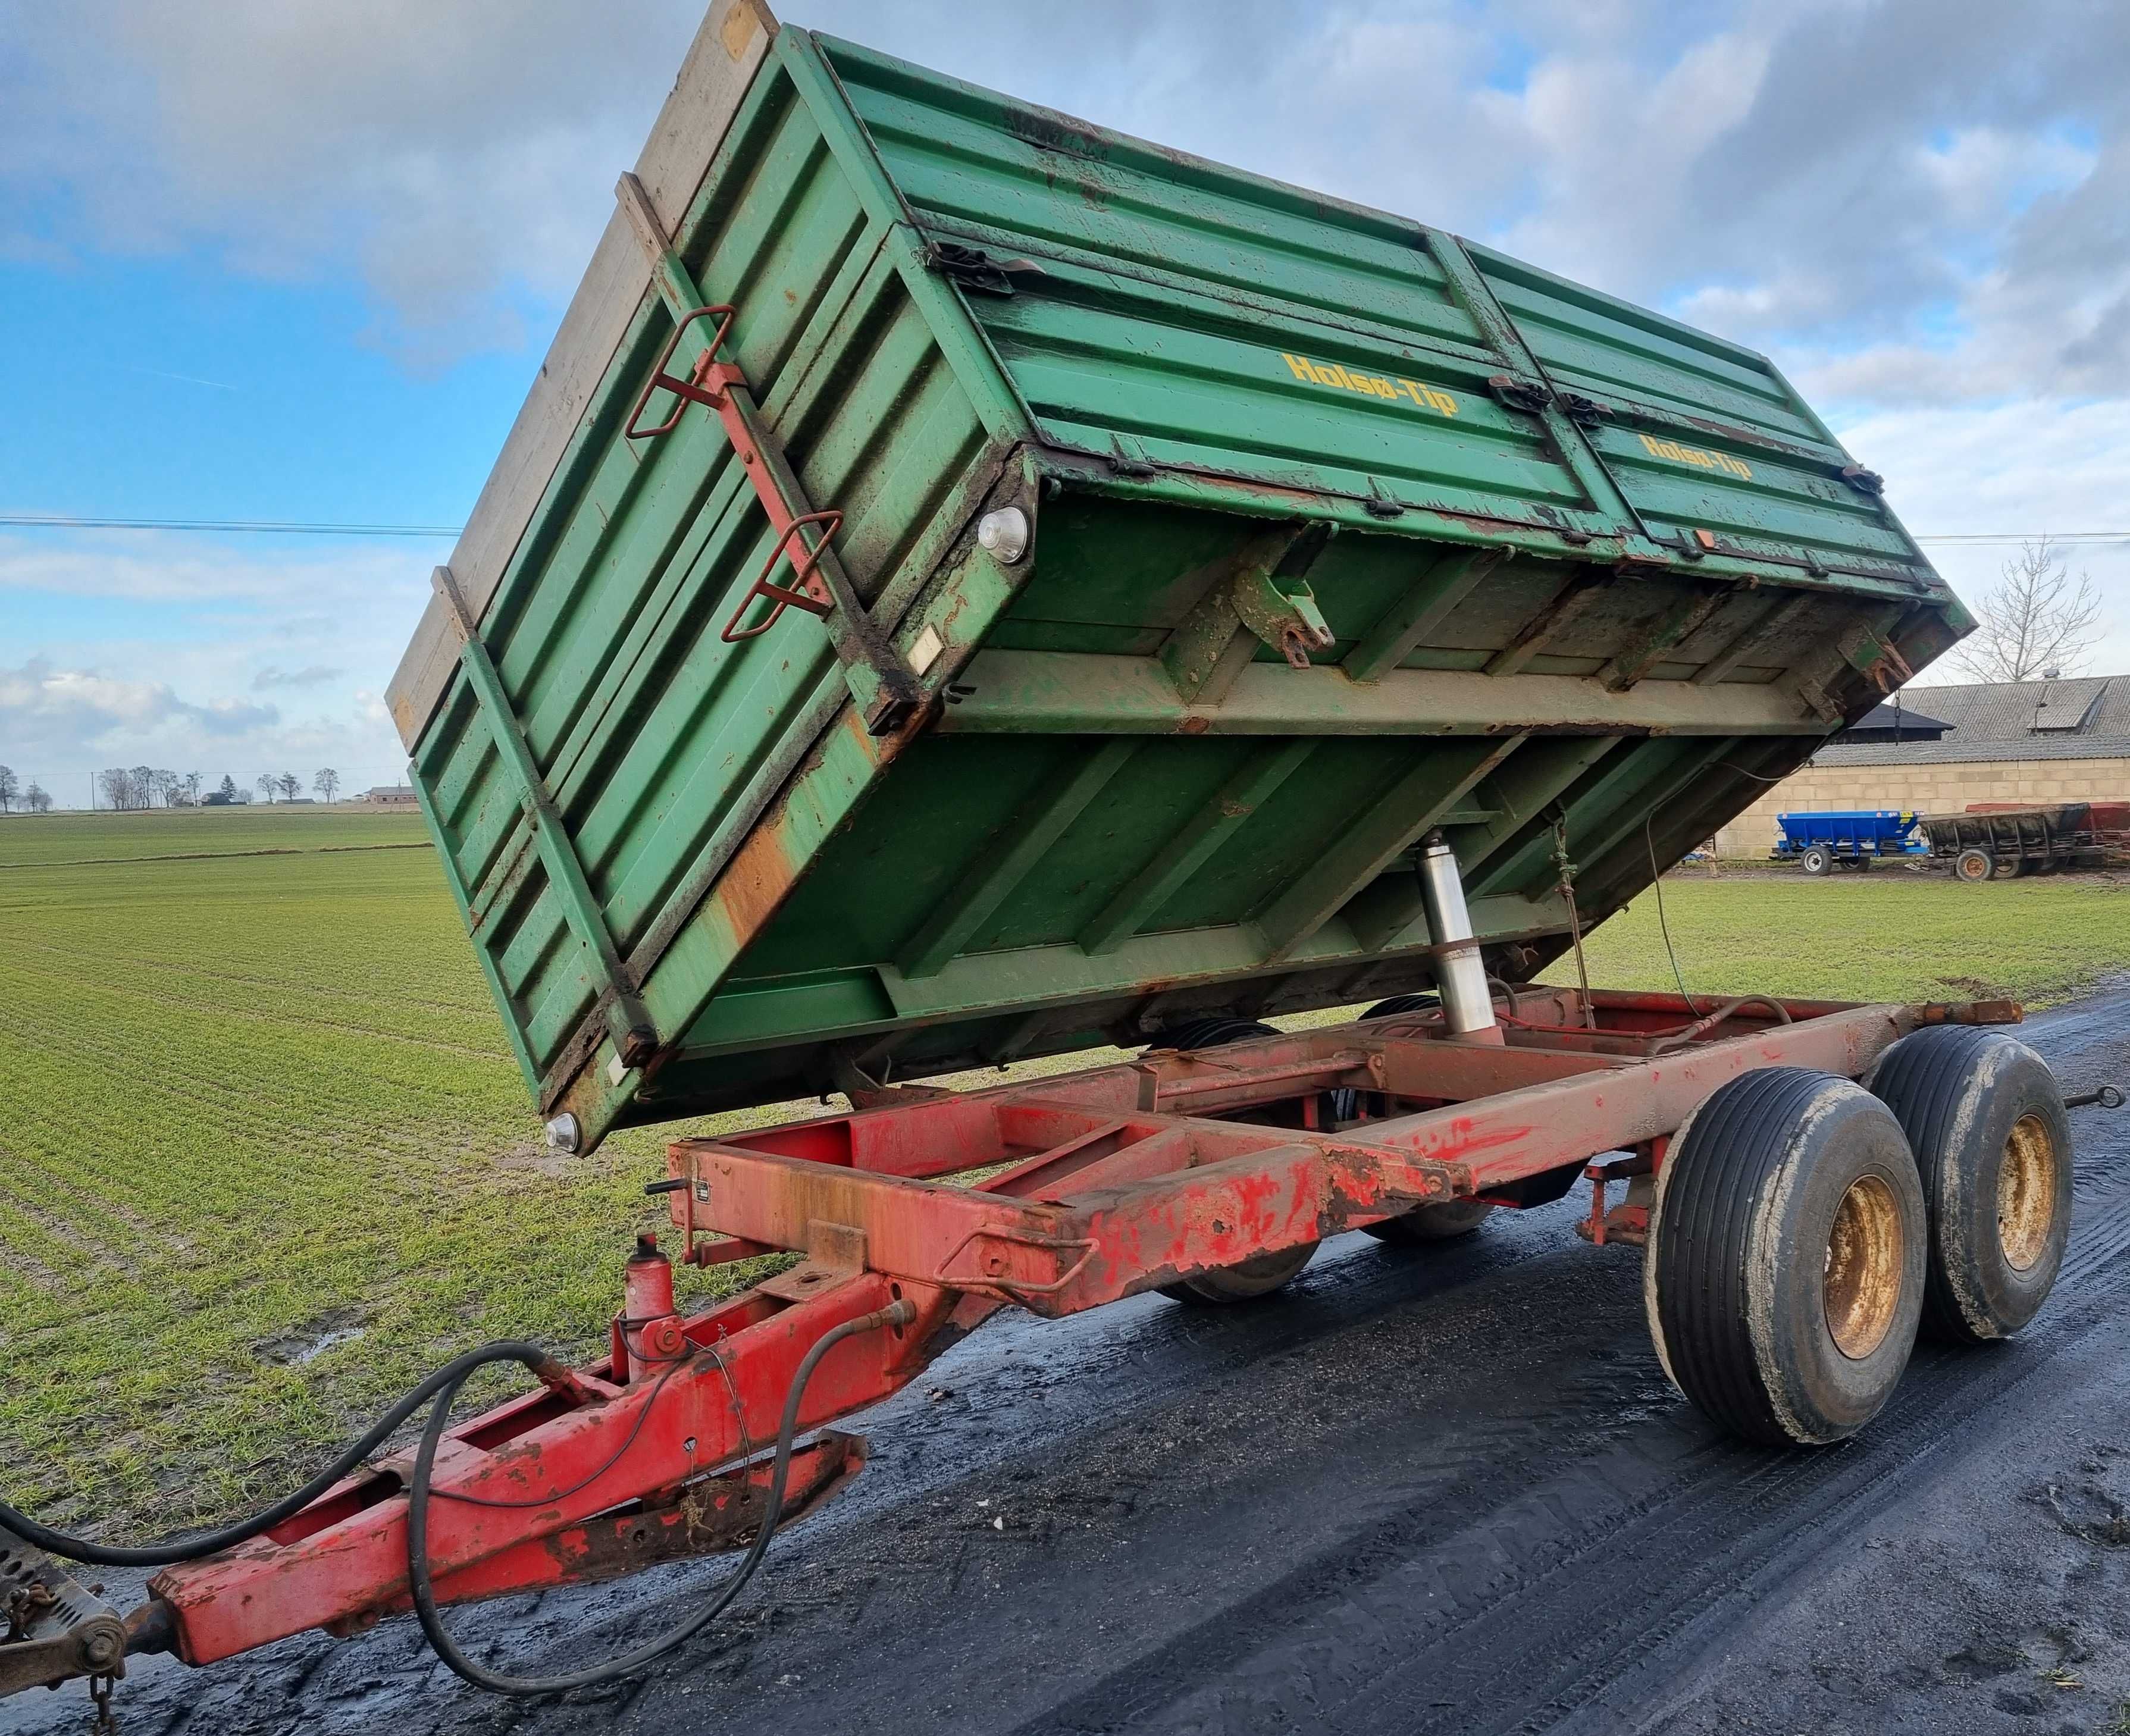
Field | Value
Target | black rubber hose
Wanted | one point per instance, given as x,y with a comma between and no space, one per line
171,1550
419,1495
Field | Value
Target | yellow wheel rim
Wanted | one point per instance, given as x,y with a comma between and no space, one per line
1865,1267
2026,1193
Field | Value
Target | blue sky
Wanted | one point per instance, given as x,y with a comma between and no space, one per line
274,264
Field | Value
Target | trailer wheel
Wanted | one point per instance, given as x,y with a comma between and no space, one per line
1974,866
1785,1271
1244,1281
1986,1119
1815,859
1261,1274
1445,1221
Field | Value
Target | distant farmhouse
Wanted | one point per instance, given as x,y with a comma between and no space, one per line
1939,749
389,795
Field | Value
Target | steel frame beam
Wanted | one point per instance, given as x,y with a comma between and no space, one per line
1116,1180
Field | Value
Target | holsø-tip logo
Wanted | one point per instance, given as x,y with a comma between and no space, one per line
1370,385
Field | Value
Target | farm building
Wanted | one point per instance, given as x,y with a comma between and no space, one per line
1939,749
389,795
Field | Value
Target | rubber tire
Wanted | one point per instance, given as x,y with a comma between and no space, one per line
1815,860
1427,1001
1345,1101
1261,1274
1424,1225
1974,866
1958,1092
1734,1283
1210,1033
2017,869
1245,1281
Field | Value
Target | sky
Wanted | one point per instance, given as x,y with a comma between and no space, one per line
298,265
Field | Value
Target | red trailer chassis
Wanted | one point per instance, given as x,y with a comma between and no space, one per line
1104,1183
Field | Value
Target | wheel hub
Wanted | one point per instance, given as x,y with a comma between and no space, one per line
1864,1268
2026,1193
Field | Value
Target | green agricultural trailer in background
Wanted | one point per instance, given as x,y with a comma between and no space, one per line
967,585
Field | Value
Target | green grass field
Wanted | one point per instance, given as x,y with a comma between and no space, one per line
265,1158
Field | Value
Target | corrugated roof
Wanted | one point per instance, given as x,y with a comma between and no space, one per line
2078,717
1953,751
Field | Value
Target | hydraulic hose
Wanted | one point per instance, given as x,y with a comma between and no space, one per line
419,1495
190,1548
438,1392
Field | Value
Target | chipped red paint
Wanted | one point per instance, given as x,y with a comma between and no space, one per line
1116,1180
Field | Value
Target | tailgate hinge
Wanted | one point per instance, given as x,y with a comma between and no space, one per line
974,268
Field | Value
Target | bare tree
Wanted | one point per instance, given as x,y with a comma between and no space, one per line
192,781
166,783
327,783
2035,619
125,789
267,785
289,785
37,799
9,786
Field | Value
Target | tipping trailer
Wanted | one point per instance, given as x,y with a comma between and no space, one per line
2002,841
967,585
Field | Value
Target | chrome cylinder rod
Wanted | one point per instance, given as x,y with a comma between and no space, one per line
1467,1004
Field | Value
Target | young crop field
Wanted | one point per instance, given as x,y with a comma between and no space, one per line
265,1158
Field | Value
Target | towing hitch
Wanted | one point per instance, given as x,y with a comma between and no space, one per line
58,1629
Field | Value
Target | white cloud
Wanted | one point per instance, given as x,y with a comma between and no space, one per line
1921,207
242,658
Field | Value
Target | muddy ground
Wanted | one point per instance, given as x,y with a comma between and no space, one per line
1426,1491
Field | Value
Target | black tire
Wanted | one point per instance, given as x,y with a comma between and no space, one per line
1421,1003
1986,1118
1815,860
1210,1033
1786,1255
1974,866
1244,1281
1346,1101
1261,1274
1448,1221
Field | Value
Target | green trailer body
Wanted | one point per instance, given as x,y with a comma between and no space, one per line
1338,529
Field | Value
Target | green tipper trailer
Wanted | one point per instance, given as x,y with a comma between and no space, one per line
967,585
1154,554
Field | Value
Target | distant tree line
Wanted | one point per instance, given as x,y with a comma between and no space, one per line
130,788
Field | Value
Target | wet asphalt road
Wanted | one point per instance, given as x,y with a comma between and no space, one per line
1441,1491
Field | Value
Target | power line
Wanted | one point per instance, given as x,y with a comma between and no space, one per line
276,528
53,521
2058,536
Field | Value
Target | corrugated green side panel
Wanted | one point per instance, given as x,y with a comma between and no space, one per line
647,726
1188,310
1213,322
1700,434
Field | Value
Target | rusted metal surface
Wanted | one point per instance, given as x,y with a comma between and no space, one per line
1175,1166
